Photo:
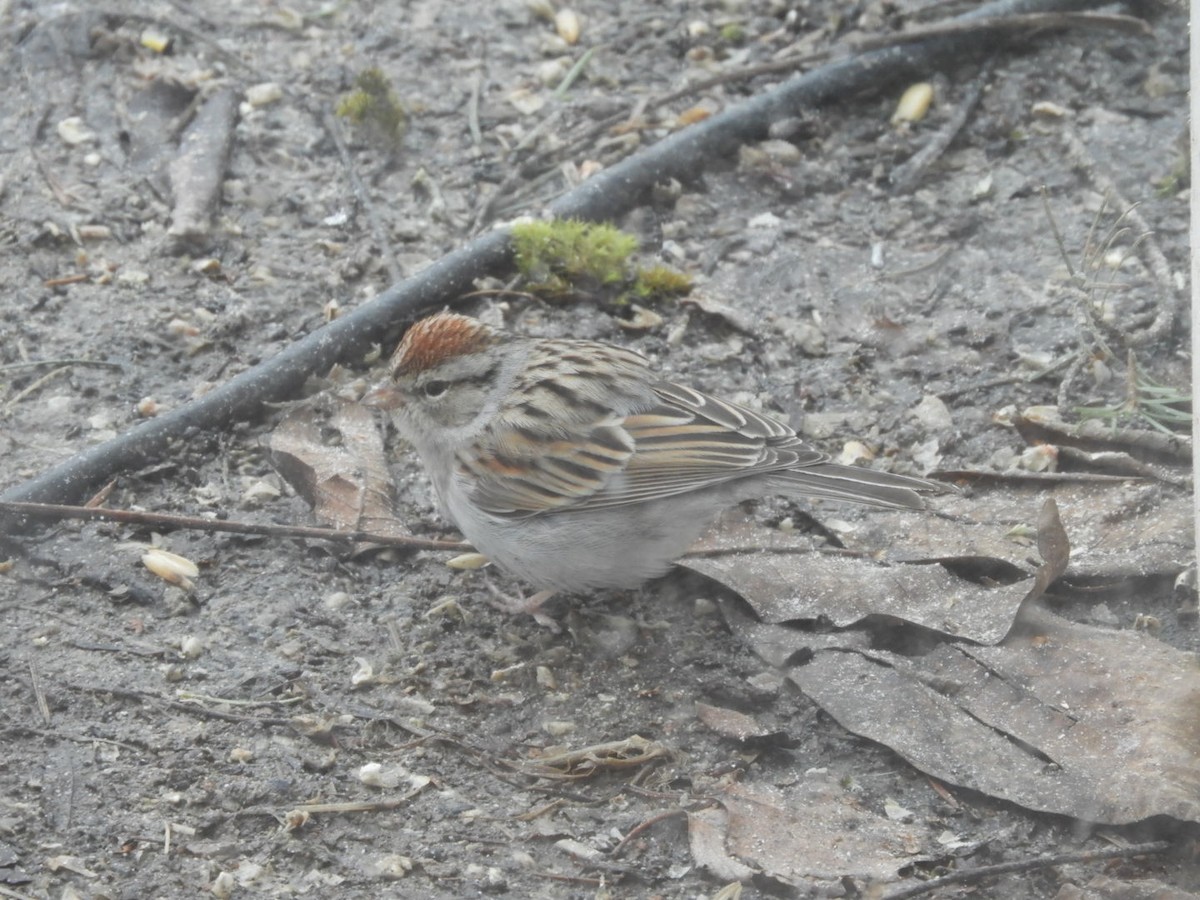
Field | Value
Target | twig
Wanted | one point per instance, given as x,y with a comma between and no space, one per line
603,197
198,170
905,176
575,71
473,112
38,363
998,381
193,523
1156,260
58,735
643,826
209,699
14,895
77,278
1194,164
193,708
36,385
1027,865
35,681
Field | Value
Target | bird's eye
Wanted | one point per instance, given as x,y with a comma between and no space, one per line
435,388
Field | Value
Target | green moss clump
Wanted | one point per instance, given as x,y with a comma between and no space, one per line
660,283
374,106
565,256
563,253
1179,178
733,33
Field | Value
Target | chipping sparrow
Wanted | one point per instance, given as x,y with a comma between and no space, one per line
572,465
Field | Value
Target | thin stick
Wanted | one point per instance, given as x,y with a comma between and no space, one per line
197,170
15,895
193,523
35,680
38,363
905,176
1156,261
1037,21
473,112
643,826
1027,865
195,709
36,385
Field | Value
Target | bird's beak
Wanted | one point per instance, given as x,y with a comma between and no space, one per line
384,395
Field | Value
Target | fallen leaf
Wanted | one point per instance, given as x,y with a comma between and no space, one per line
334,458
814,829
1057,718
786,586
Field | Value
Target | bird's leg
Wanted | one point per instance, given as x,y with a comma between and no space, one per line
522,605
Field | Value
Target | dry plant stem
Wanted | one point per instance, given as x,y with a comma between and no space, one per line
631,752
68,361
192,708
906,176
601,198
35,682
1078,363
644,826
36,386
473,112
193,523
13,730
1025,865
360,805
1156,260
980,386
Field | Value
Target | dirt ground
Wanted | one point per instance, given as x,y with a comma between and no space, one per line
155,741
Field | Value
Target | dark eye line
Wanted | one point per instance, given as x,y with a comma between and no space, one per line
438,386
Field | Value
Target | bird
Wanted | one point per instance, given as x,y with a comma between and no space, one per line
574,466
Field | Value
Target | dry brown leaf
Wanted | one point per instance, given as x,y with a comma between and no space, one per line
1100,725
811,830
782,587
730,723
334,459
1103,726
1128,534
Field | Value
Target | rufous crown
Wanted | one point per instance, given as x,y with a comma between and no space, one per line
435,339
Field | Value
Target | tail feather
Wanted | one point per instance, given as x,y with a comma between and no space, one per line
854,484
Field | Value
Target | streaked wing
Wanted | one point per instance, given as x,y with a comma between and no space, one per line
531,472
691,441
532,461
679,441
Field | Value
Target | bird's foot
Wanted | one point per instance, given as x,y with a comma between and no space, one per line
522,605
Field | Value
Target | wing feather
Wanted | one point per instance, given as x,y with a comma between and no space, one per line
679,440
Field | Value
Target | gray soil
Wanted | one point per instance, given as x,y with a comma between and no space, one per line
155,741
